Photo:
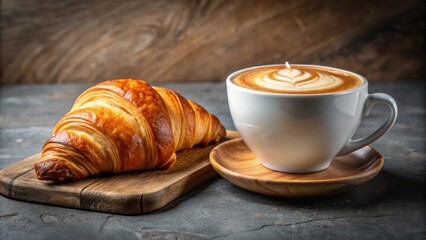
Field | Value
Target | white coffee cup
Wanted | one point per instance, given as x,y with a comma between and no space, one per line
300,133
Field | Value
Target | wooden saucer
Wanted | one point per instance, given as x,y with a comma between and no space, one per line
238,164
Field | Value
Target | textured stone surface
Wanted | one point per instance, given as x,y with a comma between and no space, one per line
391,206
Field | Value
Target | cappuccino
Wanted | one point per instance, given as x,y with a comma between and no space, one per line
298,118
297,79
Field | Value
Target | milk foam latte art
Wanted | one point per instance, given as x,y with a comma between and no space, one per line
297,79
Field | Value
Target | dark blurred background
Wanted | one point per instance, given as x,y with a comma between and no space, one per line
51,41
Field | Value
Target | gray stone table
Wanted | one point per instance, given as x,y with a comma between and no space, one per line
391,206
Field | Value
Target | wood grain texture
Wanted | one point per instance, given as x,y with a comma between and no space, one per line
234,161
53,41
126,193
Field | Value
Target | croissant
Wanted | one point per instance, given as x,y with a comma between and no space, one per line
124,125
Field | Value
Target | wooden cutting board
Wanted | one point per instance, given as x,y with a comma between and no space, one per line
126,193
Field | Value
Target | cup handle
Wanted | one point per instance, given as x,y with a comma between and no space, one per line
372,100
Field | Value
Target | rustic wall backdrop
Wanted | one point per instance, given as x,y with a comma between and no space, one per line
51,41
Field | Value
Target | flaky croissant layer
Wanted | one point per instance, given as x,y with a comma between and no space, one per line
124,125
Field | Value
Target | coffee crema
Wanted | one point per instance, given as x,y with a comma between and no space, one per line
297,79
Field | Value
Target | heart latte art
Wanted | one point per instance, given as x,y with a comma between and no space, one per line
297,79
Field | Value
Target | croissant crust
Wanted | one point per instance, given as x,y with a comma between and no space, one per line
124,125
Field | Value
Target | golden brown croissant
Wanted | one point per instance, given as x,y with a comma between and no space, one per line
124,125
